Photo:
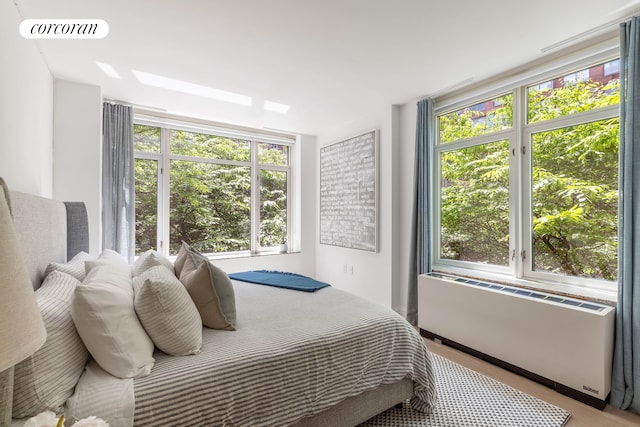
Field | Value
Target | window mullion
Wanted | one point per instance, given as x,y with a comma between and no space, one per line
255,199
210,161
164,193
522,184
574,119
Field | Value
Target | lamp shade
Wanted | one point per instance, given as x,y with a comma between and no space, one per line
22,330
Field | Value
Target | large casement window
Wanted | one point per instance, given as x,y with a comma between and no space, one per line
222,191
526,181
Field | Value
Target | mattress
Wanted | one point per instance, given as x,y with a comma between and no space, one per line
293,355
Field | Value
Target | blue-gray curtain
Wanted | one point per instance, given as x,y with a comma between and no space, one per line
118,222
420,261
625,388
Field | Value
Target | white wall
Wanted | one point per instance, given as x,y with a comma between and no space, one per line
405,117
380,277
77,149
372,276
26,109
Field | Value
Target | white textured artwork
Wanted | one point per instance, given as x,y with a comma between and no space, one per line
348,193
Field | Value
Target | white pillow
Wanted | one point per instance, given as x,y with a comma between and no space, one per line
75,267
47,378
150,259
116,262
167,312
102,310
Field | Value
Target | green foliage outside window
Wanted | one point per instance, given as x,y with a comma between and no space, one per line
475,203
209,192
574,185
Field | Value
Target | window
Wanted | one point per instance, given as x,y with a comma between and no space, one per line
526,186
612,67
223,192
579,76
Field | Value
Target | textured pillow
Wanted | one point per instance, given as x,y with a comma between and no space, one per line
167,312
47,378
211,290
150,259
102,310
74,268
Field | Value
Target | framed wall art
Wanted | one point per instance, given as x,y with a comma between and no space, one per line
349,193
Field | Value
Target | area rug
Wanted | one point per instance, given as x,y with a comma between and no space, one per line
467,398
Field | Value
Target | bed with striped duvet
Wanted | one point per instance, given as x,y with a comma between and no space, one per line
293,355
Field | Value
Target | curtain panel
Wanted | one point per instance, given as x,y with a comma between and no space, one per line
420,258
118,221
625,388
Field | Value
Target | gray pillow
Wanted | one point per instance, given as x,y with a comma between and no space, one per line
167,312
47,378
178,264
211,290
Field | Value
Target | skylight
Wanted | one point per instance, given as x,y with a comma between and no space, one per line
108,70
191,88
276,107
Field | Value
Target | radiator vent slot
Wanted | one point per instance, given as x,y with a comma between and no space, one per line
523,292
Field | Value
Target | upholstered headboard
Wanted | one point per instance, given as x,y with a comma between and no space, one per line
48,231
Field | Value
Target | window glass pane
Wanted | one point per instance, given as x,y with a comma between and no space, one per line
486,117
146,139
209,207
146,204
474,197
209,146
612,67
273,154
273,208
584,90
575,200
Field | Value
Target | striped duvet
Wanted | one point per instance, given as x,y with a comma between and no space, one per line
293,355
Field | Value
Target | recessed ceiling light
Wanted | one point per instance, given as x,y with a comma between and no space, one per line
276,107
191,88
108,70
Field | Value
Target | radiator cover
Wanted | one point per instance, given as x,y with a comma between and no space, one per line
563,342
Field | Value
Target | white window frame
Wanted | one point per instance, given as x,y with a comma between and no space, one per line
518,272
164,158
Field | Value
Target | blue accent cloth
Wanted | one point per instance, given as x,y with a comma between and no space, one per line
280,279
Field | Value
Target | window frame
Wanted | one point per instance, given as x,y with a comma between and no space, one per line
526,175
518,272
164,158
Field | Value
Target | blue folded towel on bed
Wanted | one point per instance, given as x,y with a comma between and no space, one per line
280,279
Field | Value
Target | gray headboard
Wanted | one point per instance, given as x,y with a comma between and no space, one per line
48,231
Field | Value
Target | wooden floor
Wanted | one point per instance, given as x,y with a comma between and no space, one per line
581,415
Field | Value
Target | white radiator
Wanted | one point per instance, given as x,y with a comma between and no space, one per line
563,342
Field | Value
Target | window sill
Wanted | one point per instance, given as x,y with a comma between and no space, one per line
238,255
603,296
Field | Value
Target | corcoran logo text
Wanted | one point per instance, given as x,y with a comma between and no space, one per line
64,28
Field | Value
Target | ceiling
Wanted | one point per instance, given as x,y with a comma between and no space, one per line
335,63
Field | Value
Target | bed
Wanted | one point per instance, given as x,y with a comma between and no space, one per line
295,358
